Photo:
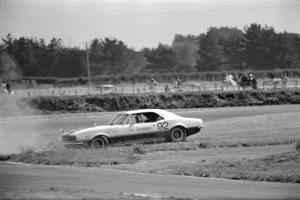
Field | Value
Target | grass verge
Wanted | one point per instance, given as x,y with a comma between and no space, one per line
74,194
282,167
81,157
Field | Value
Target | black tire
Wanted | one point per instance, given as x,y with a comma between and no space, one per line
99,142
177,134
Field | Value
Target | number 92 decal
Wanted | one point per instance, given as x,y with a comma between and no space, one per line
162,126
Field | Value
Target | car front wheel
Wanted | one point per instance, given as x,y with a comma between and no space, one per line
177,134
99,142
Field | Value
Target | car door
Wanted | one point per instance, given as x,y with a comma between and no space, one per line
148,129
120,127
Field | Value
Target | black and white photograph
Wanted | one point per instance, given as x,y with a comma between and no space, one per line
150,99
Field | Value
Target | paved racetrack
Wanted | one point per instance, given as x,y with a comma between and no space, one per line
44,177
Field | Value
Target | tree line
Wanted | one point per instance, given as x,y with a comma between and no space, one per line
256,47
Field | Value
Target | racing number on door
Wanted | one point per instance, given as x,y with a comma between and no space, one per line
162,126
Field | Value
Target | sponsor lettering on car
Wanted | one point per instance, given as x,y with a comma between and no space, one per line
143,129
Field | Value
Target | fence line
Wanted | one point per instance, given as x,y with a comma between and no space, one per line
136,89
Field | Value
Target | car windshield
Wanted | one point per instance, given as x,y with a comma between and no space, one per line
118,119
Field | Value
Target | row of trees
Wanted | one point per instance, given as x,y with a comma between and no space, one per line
256,47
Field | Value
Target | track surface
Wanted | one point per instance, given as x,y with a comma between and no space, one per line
44,177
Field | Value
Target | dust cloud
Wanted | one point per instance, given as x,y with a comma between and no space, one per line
15,134
20,130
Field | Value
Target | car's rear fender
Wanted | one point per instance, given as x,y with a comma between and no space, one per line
191,128
179,124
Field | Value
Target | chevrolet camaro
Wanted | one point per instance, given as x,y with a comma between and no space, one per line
135,126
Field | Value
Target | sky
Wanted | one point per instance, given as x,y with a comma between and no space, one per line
139,23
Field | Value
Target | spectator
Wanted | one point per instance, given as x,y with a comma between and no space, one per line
244,81
178,83
153,82
274,74
252,83
167,89
6,87
285,80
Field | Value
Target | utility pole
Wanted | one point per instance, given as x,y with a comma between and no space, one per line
88,65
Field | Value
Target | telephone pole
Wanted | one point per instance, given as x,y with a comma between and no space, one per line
88,65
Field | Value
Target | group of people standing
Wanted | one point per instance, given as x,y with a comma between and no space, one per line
249,81
244,81
276,79
177,84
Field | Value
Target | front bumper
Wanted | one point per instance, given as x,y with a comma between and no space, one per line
70,141
77,145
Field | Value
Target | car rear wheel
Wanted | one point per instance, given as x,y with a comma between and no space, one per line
177,134
99,142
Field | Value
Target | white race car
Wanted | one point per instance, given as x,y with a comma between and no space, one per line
136,126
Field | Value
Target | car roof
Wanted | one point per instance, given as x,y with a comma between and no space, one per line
163,113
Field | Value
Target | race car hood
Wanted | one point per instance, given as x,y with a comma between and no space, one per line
92,130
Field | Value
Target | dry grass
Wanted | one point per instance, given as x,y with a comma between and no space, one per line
258,130
259,148
64,193
282,167
82,157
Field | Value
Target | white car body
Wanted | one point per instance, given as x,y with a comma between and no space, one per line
157,126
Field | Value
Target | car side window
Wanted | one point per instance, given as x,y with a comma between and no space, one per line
153,117
145,118
130,120
140,118
123,119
